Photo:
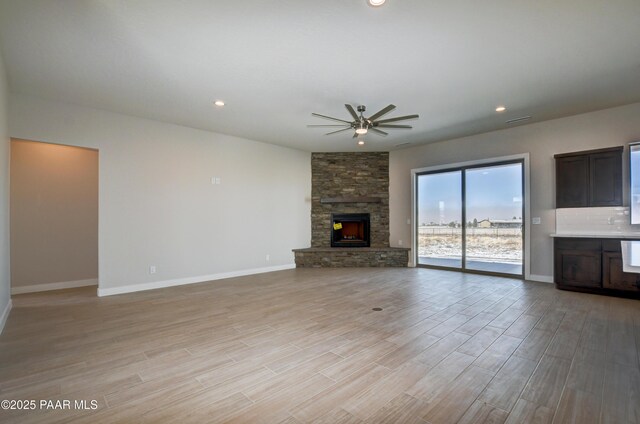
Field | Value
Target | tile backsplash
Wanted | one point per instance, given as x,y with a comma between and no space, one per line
595,221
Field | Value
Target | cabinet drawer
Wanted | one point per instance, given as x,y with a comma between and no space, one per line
578,244
611,246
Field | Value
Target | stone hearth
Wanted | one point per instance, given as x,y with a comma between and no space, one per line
354,183
337,257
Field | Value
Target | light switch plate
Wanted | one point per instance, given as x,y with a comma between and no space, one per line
536,220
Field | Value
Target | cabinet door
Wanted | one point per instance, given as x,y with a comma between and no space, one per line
581,268
605,179
572,181
613,275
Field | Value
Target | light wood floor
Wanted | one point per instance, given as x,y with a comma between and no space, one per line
305,346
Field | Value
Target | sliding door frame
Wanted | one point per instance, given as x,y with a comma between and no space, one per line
462,167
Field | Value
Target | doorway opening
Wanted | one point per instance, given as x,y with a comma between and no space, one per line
471,218
54,216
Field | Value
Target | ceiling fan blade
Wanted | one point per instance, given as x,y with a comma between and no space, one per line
335,132
327,125
328,117
375,130
352,112
399,118
382,112
393,126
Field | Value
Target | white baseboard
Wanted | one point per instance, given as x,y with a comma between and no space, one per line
5,315
54,286
540,278
189,280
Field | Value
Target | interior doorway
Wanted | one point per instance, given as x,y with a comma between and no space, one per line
471,218
54,216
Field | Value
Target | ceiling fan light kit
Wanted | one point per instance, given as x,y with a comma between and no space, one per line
361,124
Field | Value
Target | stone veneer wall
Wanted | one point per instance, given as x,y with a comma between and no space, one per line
346,175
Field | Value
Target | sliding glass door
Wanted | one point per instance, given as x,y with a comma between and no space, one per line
439,219
471,218
494,218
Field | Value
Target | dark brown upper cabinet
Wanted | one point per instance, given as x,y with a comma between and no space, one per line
589,178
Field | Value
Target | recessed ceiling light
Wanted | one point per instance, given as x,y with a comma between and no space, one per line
501,109
376,3
219,103
361,142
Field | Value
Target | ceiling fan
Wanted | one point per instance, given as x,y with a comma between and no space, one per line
362,124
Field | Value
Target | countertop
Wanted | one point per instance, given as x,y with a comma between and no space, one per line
601,235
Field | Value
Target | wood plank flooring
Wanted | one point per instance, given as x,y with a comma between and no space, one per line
305,346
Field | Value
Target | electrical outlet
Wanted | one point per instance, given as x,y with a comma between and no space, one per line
536,221
268,257
152,269
216,180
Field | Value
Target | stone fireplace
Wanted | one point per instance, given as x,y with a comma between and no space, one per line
351,185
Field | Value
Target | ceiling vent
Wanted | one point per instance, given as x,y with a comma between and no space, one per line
516,120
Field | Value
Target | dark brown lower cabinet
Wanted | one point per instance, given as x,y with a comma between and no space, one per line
613,277
579,268
593,265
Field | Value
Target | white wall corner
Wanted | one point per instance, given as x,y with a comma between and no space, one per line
54,286
5,315
189,280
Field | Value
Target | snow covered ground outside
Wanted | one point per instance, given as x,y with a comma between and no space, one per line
494,244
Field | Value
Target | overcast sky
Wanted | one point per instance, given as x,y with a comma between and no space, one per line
493,193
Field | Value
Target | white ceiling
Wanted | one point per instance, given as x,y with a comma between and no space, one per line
275,62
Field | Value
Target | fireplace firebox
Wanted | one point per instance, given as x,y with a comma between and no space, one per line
350,230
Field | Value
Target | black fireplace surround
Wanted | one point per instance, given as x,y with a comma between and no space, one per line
350,230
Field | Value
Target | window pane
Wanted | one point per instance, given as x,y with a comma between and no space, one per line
494,218
440,219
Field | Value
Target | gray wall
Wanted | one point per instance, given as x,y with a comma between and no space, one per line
54,214
5,275
158,206
610,127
